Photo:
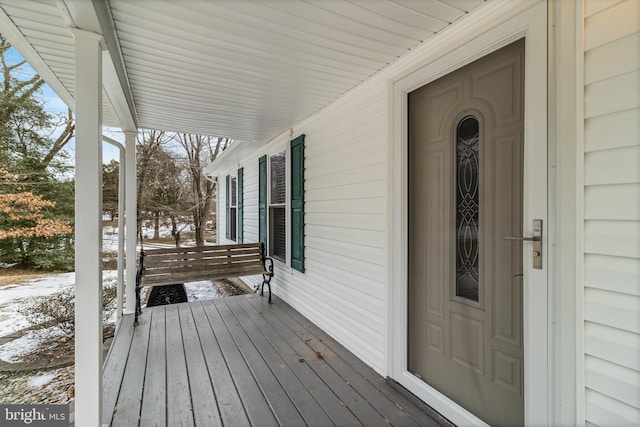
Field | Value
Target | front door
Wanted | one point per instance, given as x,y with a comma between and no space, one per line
465,334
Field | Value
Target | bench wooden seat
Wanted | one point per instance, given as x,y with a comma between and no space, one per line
169,266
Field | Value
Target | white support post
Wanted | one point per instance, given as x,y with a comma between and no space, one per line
121,224
88,228
131,220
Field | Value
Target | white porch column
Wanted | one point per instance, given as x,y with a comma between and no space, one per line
122,185
88,231
131,220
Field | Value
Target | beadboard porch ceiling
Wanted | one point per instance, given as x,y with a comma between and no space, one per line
241,69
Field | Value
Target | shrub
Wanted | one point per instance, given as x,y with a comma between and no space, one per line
54,254
58,309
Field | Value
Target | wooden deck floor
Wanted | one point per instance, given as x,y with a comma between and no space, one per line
238,361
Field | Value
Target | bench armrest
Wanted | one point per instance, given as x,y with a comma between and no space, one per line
266,278
268,265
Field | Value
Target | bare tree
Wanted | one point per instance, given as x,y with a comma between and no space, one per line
168,193
201,150
149,145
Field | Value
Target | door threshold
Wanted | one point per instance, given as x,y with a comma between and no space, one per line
419,403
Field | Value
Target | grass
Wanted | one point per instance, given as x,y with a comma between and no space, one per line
16,387
14,276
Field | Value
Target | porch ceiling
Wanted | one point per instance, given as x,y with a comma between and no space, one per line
241,69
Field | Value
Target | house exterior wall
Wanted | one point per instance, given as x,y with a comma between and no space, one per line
348,146
344,288
345,223
612,212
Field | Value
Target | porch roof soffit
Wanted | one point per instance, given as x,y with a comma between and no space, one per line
41,32
240,69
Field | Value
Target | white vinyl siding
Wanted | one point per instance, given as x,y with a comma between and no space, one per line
250,200
612,212
343,288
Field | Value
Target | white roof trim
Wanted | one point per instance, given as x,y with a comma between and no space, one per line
114,92
238,152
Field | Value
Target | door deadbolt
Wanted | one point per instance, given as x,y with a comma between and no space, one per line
537,242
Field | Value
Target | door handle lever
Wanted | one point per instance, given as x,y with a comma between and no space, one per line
537,242
525,238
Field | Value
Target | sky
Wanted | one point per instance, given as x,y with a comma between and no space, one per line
54,105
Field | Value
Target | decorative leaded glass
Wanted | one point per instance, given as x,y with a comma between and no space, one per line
467,208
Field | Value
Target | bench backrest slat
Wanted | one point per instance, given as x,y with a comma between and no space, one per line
227,253
151,264
188,249
181,265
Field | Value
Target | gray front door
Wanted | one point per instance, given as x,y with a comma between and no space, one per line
465,195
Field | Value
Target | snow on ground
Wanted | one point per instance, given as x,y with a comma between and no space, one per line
15,350
202,290
110,236
41,286
42,380
12,296
16,386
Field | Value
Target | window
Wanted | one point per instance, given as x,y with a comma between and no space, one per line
467,208
240,234
273,173
233,209
262,200
227,205
277,206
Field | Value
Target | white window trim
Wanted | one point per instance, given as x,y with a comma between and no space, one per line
275,146
232,178
221,206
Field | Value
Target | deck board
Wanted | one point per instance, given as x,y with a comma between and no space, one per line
386,407
412,405
227,398
130,396
407,402
285,411
323,394
154,397
114,370
238,361
179,410
346,395
205,411
299,395
254,402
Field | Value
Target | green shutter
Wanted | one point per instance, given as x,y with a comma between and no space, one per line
262,200
297,203
240,205
227,210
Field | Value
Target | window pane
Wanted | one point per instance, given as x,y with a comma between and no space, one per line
467,208
277,238
278,186
233,223
234,192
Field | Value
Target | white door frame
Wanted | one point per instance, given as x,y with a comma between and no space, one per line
494,27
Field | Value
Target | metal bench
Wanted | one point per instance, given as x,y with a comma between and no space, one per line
161,267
